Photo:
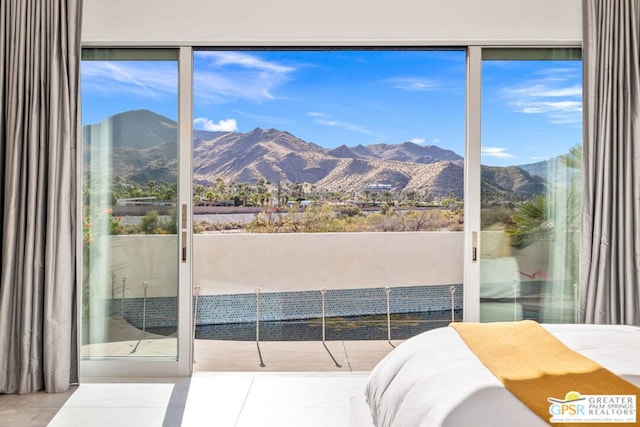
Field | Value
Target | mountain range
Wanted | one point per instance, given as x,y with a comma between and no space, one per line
143,147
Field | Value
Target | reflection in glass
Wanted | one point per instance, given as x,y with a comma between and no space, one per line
530,222
130,246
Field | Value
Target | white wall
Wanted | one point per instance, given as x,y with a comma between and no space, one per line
238,263
331,22
143,258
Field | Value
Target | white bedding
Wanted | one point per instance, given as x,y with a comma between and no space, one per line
433,379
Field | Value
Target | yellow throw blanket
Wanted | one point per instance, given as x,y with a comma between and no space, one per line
539,369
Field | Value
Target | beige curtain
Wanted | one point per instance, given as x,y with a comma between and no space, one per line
39,63
610,265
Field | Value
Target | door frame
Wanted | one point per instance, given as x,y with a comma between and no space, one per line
472,176
182,366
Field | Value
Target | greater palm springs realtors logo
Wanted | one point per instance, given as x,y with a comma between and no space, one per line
576,408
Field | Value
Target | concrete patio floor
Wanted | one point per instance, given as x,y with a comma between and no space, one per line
288,356
243,356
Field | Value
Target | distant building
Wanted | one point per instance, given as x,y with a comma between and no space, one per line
378,187
144,201
303,204
228,202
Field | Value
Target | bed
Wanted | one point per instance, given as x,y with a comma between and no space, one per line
434,379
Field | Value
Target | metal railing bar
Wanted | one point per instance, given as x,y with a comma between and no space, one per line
387,291
196,292
322,292
144,316
515,300
452,290
262,365
145,285
113,294
124,282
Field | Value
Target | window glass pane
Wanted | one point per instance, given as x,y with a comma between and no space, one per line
130,247
531,171
335,169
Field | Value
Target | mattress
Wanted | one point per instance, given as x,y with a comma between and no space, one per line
433,379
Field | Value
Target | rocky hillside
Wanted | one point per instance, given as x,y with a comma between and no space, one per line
143,145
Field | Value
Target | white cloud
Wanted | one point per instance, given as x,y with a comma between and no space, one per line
316,114
555,95
561,73
222,76
537,107
412,83
224,125
499,152
263,118
146,79
246,60
417,140
544,91
326,120
565,112
345,125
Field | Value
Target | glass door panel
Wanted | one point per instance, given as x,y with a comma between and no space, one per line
129,204
530,184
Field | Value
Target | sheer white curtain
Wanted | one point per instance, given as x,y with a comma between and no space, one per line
563,213
39,62
610,266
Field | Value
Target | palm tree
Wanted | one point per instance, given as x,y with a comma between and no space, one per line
573,159
531,222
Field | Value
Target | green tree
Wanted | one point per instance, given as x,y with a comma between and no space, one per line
150,223
531,222
297,191
573,159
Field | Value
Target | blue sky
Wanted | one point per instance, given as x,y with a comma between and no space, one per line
531,109
336,97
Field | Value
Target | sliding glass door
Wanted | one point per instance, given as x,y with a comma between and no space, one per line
133,236
297,198
530,184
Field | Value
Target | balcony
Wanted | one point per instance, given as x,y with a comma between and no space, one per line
308,301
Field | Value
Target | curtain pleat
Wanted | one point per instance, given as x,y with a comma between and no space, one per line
39,65
610,267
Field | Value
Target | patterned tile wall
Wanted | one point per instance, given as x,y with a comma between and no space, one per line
154,312
337,302
239,308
